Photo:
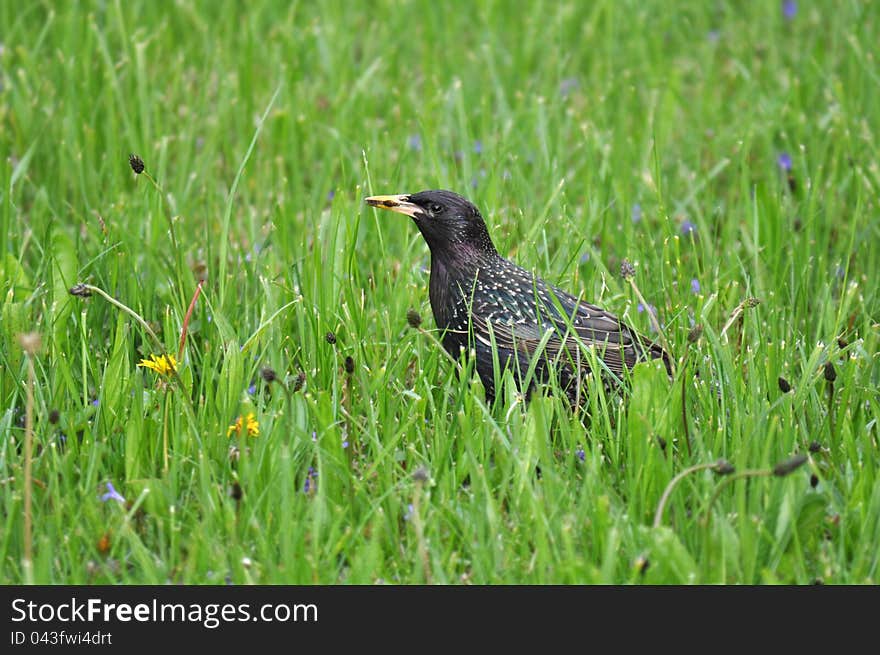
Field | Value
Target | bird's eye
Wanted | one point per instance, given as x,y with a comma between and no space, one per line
435,208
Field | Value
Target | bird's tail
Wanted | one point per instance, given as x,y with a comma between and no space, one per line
653,350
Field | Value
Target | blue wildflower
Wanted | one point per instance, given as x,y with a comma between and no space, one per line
112,494
414,142
789,9
478,147
567,85
330,195
252,389
687,227
695,285
713,36
311,483
585,258
409,512
95,402
636,213
581,455
784,161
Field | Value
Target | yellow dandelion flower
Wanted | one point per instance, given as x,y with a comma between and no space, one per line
162,364
247,425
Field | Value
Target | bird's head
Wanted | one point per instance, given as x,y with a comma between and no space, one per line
452,225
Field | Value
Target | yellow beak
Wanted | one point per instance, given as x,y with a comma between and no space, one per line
399,204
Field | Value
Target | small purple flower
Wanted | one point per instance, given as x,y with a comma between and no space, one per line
784,161
344,444
409,512
567,85
636,213
713,36
789,9
311,483
112,494
252,389
314,436
330,195
585,258
695,285
641,308
478,147
581,455
414,142
95,402
688,228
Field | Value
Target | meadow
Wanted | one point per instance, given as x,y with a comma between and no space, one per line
312,429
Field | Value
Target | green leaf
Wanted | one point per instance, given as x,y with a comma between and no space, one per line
64,267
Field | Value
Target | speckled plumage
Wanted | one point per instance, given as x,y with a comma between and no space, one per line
481,300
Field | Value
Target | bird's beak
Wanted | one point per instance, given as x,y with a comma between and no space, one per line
399,204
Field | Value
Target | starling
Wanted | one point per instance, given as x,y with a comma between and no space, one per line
479,298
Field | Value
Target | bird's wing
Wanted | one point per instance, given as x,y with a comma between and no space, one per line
560,328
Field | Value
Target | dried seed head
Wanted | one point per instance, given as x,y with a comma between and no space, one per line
54,415
200,270
349,365
235,491
841,343
330,338
413,318
136,163
80,290
299,381
751,302
784,386
420,474
30,342
814,447
268,374
830,373
723,467
814,480
789,466
627,270
695,333
104,542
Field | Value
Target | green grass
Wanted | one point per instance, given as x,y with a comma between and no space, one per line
266,128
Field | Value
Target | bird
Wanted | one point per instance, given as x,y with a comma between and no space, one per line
506,316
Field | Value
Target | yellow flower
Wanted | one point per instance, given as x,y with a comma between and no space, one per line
248,425
162,364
